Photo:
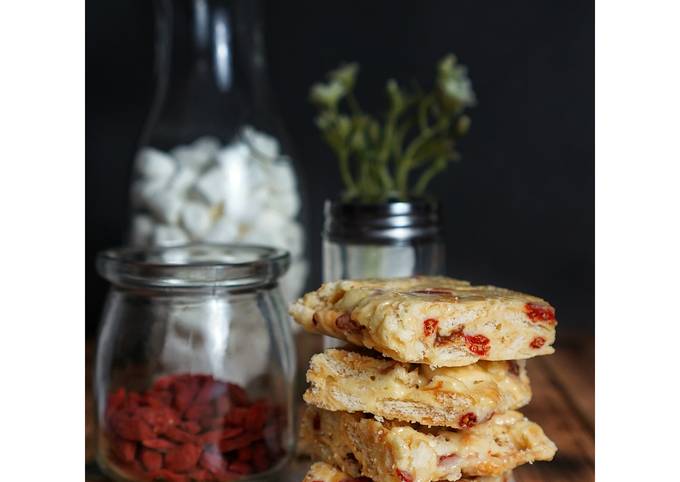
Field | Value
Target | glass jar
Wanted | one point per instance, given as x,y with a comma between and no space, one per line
195,364
382,240
214,163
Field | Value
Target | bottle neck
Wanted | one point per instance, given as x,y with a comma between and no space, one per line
210,65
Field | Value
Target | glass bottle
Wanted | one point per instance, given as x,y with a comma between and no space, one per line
195,364
215,164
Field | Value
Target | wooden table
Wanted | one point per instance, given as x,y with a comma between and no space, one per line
563,404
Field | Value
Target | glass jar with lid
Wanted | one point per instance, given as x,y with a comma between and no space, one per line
195,364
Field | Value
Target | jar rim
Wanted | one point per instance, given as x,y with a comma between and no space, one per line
194,265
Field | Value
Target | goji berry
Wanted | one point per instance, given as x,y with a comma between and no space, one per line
185,391
201,475
231,444
478,344
430,327
240,467
197,412
166,475
123,450
537,342
404,476
183,457
158,444
238,395
151,460
260,457
130,428
468,420
540,312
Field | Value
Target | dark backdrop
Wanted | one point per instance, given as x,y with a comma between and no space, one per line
519,207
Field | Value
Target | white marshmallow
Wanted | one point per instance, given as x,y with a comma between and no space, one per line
165,235
143,189
182,181
154,164
285,203
195,218
261,144
212,186
141,230
282,178
235,163
207,146
165,206
223,231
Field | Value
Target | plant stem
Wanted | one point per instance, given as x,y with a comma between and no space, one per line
436,167
345,172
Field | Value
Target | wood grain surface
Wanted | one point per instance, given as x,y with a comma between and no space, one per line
563,404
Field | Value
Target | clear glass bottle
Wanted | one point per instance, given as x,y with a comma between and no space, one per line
195,364
214,162
382,240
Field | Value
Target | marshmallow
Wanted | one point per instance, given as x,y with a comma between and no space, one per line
282,178
154,164
143,189
235,164
195,218
141,231
182,181
285,203
207,147
211,186
223,231
165,235
165,206
262,145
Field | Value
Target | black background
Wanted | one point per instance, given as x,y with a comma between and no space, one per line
519,207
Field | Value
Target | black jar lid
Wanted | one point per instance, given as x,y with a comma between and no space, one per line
392,222
195,265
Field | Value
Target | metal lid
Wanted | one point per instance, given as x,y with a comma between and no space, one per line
197,265
394,222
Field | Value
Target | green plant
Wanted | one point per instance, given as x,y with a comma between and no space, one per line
416,135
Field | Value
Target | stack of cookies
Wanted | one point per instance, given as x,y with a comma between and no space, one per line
429,389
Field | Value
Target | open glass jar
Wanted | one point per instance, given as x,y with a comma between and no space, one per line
195,364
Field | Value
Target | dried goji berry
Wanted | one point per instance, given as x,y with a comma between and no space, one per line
185,391
345,323
404,476
245,454
190,426
201,476
158,444
468,420
222,405
260,457
167,476
183,457
151,460
130,428
228,445
537,342
238,395
123,450
115,400
478,344
196,412
240,467
540,312
430,327
173,433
